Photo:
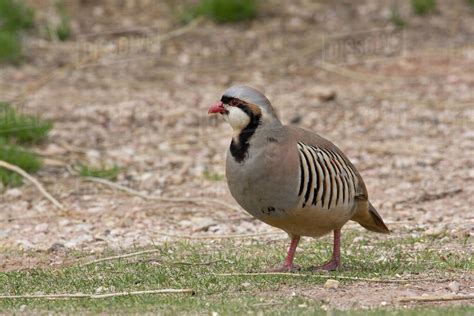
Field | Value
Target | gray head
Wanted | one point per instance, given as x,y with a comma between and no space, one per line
250,95
241,105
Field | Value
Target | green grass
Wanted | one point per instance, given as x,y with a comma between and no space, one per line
422,7
470,2
108,173
63,29
10,47
224,11
178,265
21,128
15,17
16,131
20,157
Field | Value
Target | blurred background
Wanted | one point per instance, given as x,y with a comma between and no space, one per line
101,97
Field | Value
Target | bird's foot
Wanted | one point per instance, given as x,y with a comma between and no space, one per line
331,265
285,268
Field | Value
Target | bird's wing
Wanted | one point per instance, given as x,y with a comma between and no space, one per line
330,161
320,158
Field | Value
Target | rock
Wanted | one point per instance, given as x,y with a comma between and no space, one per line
54,150
444,239
296,119
331,284
74,242
454,286
202,223
25,244
325,94
13,193
296,24
434,231
41,228
56,247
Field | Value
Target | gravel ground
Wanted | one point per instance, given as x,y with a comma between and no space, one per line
404,116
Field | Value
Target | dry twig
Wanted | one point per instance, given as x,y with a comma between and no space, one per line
218,236
184,263
193,200
96,296
324,277
432,298
128,255
138,253
36,183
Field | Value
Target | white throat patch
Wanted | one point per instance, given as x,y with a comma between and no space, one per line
237,119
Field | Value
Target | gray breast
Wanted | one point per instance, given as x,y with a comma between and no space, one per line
264,184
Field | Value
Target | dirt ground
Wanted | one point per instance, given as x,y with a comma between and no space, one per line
132,88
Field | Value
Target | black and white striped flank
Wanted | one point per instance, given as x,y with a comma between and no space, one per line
326,180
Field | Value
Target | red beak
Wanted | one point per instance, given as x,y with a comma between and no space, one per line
217,107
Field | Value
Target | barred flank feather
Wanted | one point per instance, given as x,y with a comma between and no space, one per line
326,179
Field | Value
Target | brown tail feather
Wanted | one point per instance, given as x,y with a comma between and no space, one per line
370,219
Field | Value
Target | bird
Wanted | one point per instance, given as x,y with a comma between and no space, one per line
291,178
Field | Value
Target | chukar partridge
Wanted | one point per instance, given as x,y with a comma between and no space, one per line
289,177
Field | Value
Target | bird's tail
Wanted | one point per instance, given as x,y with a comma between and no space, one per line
369,218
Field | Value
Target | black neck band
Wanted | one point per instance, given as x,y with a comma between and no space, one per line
239,149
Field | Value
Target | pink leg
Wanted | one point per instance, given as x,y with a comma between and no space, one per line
335,262
288,265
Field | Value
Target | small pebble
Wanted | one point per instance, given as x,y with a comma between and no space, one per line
41,228
13,193
56,247
331,284
454,286
434,231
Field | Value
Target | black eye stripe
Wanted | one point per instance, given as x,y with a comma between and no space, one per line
233,101
226,100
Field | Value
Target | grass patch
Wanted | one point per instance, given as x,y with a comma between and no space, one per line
108,173
18,130
470,2
23,129
15,17
20,157
60,30
422,7
10,47
179,265
223,11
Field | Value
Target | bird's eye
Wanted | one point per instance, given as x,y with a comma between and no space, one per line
234,102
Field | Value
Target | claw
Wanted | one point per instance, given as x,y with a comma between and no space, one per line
331,265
